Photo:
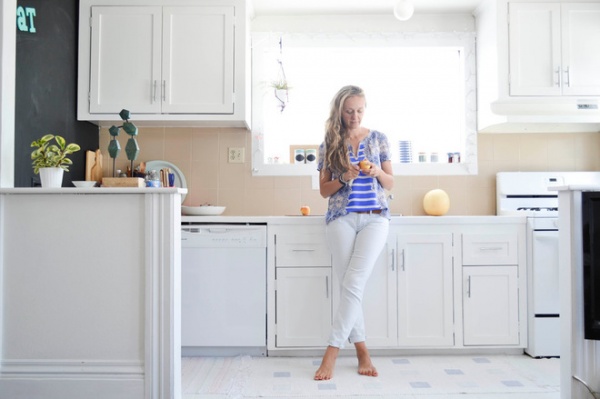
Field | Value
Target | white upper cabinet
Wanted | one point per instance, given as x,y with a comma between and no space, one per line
125,67
554,49
537,66
198,49
169,63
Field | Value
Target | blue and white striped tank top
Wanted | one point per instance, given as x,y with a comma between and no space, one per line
363,194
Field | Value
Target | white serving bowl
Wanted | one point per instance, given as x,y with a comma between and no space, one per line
84,183
204,210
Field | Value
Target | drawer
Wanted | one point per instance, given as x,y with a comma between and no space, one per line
490,249
304,247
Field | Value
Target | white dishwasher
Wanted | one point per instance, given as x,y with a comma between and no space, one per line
223,289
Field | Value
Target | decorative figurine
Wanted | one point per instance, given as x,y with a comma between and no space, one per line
131,149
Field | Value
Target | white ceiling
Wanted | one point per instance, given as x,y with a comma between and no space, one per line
311,7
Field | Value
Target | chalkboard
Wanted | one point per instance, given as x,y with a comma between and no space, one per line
46,88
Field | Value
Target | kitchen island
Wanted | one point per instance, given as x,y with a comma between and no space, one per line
90,293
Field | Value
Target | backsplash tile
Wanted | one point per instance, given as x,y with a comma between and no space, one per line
201,155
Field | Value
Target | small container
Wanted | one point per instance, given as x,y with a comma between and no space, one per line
450,157
311,155
456,157
433,158
152,179
299,156
422,157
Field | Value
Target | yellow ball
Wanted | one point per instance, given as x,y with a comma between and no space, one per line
436,202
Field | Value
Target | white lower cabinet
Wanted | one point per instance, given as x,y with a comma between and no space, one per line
425,290
491,305
303,298
379,300
433,286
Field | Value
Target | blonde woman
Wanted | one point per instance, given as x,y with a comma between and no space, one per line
355,170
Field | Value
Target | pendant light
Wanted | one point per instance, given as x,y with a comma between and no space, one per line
403,10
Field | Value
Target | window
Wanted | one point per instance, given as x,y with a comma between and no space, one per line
419,88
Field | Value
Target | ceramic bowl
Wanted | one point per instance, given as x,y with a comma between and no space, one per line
84,183
205,210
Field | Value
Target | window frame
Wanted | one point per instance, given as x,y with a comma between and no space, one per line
464,40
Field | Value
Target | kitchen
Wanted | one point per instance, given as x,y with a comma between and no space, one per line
205,149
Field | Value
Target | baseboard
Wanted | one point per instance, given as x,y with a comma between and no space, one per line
51,379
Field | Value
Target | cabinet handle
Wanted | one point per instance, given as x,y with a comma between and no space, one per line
402,258
393,260
469,287
164,90
154,92
490,248
568,73
303,250
558,77
327,287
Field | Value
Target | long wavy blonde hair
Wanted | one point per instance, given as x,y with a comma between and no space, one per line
336,155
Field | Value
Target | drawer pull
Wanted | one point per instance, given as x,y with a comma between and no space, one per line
491,248
327,287
303,250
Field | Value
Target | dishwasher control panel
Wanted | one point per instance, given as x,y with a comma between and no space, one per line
224,236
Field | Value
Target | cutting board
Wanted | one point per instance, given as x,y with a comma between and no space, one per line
93,166
123,182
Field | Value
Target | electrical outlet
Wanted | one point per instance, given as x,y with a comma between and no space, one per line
235,155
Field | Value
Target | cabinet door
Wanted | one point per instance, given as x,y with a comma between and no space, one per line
490,305
425,305
303,306
198,60
379,300
125,59
581,48
535,54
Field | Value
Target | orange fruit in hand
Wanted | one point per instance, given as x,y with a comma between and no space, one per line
305,210
364,164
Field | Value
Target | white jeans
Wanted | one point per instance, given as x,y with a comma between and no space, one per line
355,241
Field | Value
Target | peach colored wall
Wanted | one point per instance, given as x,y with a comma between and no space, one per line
201,154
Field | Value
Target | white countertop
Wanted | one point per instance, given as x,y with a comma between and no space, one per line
578,187
320,219
93,190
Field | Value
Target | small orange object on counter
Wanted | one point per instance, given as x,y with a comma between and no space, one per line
305,210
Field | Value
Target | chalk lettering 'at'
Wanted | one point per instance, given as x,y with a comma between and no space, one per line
25,16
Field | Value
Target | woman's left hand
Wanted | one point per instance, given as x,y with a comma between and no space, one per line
383,174
370,169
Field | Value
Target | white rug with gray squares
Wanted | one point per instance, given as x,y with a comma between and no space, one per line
278,377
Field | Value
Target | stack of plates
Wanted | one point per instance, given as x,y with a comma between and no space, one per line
405,151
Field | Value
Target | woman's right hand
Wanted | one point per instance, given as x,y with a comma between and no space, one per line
351,173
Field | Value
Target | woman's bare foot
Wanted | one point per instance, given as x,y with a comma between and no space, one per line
325,370
365,366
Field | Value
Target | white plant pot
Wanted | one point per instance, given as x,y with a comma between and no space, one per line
51,177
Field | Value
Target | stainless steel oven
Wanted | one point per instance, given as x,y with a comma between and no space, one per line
530,194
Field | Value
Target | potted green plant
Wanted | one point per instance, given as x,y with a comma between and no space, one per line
281,89
49,159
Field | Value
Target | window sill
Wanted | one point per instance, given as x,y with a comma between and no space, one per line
400,169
